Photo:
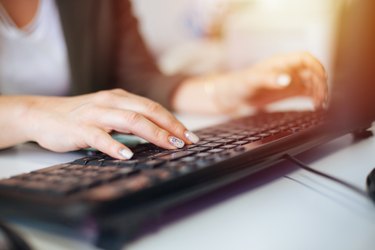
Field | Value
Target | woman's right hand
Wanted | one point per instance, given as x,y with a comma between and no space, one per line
70,123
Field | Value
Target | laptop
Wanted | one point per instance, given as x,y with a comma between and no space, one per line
107,201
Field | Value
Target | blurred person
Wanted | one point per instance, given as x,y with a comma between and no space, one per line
72,72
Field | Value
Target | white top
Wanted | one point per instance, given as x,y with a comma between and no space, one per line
33,60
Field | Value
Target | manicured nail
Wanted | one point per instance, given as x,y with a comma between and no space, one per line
126,153
191,136
176,142
283,80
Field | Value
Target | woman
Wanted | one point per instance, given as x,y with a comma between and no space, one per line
70,47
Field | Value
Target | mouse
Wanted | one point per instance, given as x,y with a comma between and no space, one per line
371,184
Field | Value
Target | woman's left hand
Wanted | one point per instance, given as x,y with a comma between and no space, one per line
298,74
279,77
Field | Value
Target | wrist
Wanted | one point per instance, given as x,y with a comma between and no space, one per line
14,120
216,90
24,118
191,97
37,111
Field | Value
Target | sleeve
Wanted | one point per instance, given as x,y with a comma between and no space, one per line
135,69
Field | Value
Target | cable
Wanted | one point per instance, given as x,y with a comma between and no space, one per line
332,178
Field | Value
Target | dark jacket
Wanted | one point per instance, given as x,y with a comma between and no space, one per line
106,50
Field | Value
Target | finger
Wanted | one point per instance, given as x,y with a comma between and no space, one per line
164,119
318,66
103,142
155,113
313,87
126,121
321,92
312,63
301,61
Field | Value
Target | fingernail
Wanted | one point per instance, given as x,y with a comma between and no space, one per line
176,142
126,153
283,80
191,136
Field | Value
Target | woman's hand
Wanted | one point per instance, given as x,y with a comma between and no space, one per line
70,123
268,81
286,76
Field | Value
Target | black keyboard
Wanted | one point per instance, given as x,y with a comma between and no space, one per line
240,146
152,165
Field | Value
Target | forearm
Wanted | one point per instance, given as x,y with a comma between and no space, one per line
13,120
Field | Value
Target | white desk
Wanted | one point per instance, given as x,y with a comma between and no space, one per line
280,208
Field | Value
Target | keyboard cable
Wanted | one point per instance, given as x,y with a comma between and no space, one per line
327,176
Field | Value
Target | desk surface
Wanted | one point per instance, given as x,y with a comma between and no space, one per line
280,208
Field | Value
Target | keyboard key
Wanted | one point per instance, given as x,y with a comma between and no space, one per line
198,149
224,141
255,138
201,142
264,135
191,146
176,155
214,139
212,145
229,146
240,142
96,162
237,137
215,150
83,161
274,131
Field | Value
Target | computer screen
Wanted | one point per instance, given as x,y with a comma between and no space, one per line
353,92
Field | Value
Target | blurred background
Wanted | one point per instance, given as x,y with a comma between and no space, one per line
199,36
